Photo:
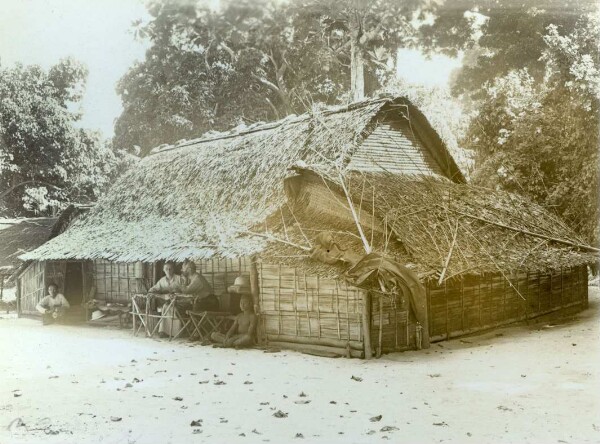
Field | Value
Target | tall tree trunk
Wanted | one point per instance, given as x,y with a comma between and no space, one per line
357,71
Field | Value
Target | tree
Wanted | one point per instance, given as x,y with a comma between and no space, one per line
254,61
47,162
540,138
497,37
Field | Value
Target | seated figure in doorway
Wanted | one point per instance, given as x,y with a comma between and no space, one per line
169,284
53,306
242,332
197,285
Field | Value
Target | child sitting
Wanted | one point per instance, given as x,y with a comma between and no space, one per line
241,334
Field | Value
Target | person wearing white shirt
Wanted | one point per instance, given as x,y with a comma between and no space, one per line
169,284
53,306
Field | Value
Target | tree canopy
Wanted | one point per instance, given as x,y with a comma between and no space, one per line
254,61
47,162
539,137
528,79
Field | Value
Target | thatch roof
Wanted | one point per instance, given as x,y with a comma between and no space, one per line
194,199
18,236
434,226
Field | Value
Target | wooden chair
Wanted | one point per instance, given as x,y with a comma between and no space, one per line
206,322
170,312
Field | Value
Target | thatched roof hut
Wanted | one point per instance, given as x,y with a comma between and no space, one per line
195,198
308,196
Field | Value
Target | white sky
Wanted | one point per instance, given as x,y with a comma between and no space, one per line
98,33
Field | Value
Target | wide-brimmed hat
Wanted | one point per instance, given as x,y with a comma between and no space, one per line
97,314
241,285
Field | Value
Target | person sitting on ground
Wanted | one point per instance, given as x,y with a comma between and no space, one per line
169,284
197,285
241,334
53,306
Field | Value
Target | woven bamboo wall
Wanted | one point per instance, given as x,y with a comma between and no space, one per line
308,308
116,282
32,287
398,323
221,273
480,302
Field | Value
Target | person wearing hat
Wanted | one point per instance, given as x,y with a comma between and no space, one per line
240,287
53,306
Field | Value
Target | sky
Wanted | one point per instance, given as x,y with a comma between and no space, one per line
98,33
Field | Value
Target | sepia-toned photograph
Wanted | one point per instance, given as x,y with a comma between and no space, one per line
289,221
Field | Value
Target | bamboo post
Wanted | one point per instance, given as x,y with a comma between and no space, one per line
447,310
539,291
380,339
367,324
19,289
479,298
561,287
337,303
307,312
462,305
295,303
255,290
279,300
527,295
447,262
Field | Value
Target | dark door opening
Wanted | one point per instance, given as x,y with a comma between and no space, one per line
74,283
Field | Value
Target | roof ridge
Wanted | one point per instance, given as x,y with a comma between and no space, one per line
264,126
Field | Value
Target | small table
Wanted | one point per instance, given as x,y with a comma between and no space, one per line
207,322
170,311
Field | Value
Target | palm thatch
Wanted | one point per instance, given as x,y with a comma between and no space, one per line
18,236
438,228
194,199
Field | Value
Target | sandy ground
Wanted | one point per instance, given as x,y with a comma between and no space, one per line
524,384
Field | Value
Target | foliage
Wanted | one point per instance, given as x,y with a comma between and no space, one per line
47,162
252,61
497,37
540,138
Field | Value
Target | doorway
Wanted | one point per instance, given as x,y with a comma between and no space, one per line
74,283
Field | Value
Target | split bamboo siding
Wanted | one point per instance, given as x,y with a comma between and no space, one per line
394,147
116,282
480,302
315,314
397,322
31,288
301,309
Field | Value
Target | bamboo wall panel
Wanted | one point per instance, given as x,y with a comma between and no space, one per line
116,282
397,322
479,302
221,273
296,305
32,287
394,147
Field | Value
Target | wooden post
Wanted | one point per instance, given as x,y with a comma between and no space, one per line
19,296
367,324
255,290
380,339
